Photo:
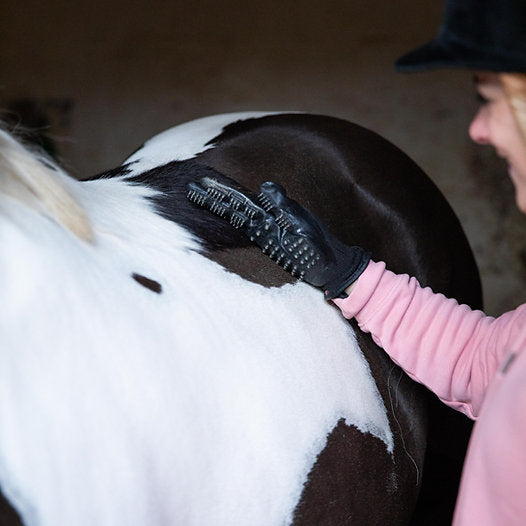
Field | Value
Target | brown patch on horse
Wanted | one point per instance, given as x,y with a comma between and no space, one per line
253,266
8,515
151,284
340,487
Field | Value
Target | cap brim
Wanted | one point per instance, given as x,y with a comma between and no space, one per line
432,55
436,55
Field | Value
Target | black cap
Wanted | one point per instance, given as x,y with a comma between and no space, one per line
486,35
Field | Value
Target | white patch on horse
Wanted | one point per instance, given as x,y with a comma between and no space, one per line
184,141
205,405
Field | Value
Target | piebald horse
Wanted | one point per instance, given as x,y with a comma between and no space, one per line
155,368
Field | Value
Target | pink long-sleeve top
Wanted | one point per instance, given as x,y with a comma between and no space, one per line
475,364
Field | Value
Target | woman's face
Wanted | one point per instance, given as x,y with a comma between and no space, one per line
495,124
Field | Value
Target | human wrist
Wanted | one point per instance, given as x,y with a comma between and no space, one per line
350,288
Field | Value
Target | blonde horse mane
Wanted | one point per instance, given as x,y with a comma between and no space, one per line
35,180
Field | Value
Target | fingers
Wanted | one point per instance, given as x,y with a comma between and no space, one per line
277,224
273,198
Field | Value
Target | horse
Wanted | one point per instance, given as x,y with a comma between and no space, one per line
157,369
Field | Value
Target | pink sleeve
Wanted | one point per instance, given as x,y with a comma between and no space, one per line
448,347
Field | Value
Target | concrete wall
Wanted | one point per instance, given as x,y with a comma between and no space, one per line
108,75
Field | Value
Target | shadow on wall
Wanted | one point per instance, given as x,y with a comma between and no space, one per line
498,236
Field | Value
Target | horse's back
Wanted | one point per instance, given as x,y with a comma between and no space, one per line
269,409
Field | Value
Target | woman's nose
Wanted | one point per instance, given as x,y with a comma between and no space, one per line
478,129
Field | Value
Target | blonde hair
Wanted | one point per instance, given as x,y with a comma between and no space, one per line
514,85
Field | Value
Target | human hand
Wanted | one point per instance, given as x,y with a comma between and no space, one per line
286,232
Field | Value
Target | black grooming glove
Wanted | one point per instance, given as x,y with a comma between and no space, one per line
286,232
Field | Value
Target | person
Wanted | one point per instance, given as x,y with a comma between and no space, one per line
473,362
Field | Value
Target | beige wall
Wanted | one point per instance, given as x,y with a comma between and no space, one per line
111,74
